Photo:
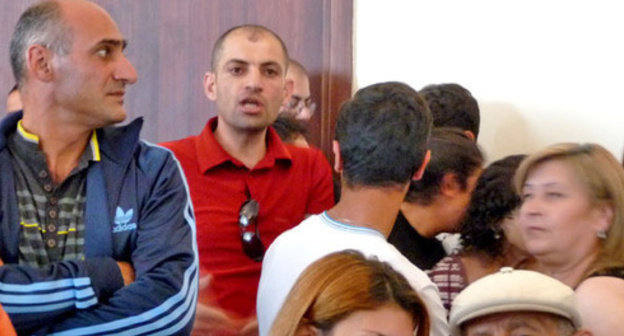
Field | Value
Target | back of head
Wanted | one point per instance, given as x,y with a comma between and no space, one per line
596,168
511,291
341,283
493,199
382,132
295,67
41,24
451,152
452,105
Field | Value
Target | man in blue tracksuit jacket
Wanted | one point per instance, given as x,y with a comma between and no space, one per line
90,292
137,270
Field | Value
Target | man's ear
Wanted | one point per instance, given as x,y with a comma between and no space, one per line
337,157
210,85
39,62
289,86
470,135
583,332
421,170
449,185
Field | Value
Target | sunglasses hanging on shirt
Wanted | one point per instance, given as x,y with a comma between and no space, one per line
248,225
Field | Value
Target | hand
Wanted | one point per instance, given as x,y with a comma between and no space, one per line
213,321
127,272
250,328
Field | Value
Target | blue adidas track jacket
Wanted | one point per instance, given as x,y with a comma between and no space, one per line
138,210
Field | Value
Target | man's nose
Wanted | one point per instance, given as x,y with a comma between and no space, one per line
125,71
254,80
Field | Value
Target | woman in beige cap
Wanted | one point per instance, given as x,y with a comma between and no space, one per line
572,221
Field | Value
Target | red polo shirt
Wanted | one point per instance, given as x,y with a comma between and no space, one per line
288,183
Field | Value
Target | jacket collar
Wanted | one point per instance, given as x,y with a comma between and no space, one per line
8,125
116,143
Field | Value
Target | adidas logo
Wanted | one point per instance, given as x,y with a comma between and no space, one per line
122,220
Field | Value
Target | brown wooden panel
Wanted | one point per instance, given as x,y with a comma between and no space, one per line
170,45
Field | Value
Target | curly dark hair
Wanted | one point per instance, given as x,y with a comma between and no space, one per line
492,200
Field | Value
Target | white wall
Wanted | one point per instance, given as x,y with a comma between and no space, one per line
543,71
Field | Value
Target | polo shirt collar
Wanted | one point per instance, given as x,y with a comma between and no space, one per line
210,154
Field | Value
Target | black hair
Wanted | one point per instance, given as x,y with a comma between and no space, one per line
451,152
452,105
493,199
383,132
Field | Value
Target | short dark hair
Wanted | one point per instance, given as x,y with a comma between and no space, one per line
451,152
217,48
288,128
41,24
383,132
493,199
452,105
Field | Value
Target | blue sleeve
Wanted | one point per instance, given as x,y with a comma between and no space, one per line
35,297
162,299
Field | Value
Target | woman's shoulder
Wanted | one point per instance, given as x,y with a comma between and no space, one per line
607,285
600,300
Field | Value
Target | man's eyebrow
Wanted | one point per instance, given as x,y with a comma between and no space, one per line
531,324
236,61
276,64
271,63
112,42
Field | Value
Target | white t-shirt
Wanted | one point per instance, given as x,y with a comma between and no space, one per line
318,236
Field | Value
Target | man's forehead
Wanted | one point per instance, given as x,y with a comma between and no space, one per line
511,320
253,36
89,20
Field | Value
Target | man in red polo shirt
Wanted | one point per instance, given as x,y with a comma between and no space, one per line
246,185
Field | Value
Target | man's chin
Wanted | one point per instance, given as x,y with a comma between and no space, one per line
116,117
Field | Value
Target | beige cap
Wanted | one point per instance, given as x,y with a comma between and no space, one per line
512,290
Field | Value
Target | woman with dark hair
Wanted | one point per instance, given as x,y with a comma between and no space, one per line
344,293
488,232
